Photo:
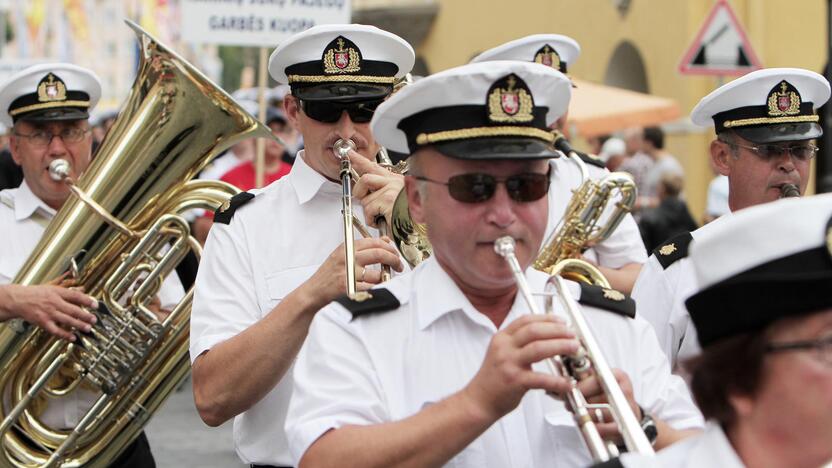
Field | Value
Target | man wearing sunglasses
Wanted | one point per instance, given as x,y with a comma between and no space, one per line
766,126
276,256
47,106
621,255
763,313
443,364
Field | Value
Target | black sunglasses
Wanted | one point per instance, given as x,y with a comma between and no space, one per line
330,111
477,188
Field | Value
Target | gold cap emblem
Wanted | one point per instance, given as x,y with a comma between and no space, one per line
341,56
783,100
614,295
512,103
51,88
667,249
547,56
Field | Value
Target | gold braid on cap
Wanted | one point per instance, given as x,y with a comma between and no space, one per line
481,132
770,120
48,105
341,79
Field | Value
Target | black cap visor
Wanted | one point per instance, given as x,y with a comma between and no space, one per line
780,132
497,148
341,92
55,114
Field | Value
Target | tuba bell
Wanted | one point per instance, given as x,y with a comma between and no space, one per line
121,233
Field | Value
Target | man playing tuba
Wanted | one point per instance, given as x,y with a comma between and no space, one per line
47,106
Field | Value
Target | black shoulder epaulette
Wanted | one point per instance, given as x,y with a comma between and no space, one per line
225,212
591,159
673,249
608,299
369,302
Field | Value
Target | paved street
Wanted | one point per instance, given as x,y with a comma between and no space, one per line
179,438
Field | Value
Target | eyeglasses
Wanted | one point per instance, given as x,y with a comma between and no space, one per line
477,188
43,138
823,346
769,152
330,111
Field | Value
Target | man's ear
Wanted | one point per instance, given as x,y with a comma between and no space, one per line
13,148
291,108
721,157
414,199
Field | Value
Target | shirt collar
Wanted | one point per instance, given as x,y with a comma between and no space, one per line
437,295
26,203
307,182
714,448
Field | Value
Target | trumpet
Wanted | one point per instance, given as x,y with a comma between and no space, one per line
586,361
348,176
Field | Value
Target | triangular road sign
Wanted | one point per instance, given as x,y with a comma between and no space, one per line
721,47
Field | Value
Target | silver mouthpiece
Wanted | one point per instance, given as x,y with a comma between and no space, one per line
789,190
504,246
59,170
343,147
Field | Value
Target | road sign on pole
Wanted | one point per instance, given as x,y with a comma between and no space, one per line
721,46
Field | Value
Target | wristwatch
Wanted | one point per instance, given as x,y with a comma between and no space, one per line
648,425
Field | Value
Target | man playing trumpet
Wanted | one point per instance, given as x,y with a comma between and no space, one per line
275,256
443,365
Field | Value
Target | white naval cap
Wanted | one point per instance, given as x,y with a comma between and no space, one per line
761,264
554,50
766,106
49,91
341,62
487,110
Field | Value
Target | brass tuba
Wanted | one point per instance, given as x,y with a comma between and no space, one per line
121,233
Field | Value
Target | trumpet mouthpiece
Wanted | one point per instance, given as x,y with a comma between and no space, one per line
343,147
59,170
789,190
504,246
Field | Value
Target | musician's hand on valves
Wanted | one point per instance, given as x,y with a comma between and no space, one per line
506,373
54,308
594,394
377,188
329,281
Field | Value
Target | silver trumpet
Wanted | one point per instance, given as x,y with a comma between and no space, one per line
586,361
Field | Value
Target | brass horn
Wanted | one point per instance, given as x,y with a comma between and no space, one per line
122,231
588,360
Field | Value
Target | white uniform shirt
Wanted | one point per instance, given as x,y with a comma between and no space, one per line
23,220
623,246
660,294
710,449
390,365
276,242
272,245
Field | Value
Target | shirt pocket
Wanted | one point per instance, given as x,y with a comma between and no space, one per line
279,284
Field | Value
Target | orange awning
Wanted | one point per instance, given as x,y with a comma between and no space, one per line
600,109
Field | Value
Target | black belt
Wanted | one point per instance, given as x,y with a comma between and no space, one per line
267,466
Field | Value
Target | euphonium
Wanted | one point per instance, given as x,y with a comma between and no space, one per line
121,233
587,361
579,229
